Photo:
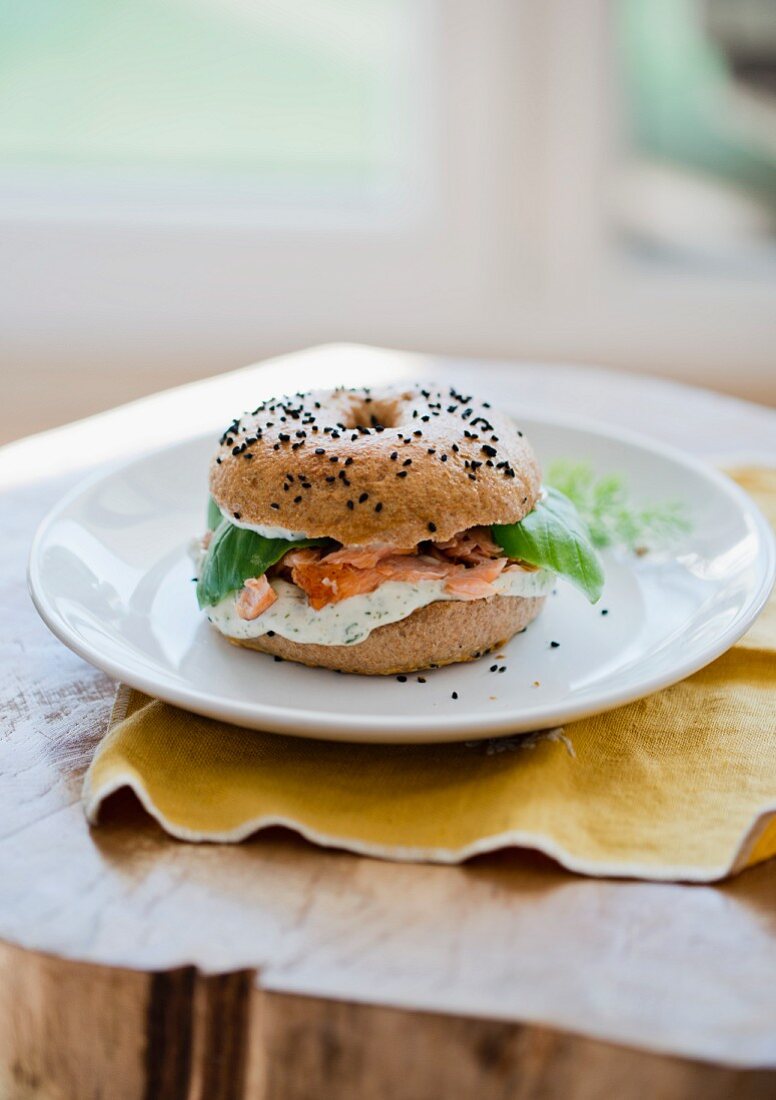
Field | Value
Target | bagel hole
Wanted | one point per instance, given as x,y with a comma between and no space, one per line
373,414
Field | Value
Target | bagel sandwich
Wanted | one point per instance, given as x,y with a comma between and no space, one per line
382,531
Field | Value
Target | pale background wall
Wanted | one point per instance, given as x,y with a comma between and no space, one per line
190,185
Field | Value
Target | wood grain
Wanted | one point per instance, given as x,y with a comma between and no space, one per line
380,1054
137,966
78,1030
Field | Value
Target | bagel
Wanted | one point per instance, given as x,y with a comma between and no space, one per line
322,463
394,485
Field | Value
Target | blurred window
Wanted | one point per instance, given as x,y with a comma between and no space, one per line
292,99
699,123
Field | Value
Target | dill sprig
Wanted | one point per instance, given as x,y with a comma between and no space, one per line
611,516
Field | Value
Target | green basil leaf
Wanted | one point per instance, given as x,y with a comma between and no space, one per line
234,555
214,516
553,536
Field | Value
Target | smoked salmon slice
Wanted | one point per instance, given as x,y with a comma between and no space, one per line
355,571
365,557
476,582
472,546
255,597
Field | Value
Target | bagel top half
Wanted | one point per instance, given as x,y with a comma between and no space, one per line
375,465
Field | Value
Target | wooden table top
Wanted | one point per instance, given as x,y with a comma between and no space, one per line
667,968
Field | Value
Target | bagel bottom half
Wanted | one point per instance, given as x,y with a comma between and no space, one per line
441,633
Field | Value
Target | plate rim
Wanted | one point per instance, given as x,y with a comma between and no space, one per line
421,728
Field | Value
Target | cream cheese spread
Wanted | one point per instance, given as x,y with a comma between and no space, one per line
265,531
352,620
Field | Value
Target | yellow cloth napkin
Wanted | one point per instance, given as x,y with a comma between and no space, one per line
681,785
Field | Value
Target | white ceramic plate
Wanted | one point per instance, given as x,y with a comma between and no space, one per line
110,574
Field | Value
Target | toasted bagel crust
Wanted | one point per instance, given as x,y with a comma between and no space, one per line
441,633
323,463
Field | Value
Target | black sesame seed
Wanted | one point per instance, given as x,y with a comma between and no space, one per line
320,451
402,473
378,507
503,668
275,506
270,633
348,461
334,458
443,458
237,515
297,500
491,452
604,611
494,668
394,455
278,659
363,497
454,695
431,451
330,479
432,527
421,679
407,462
351,505
554,645
402,679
